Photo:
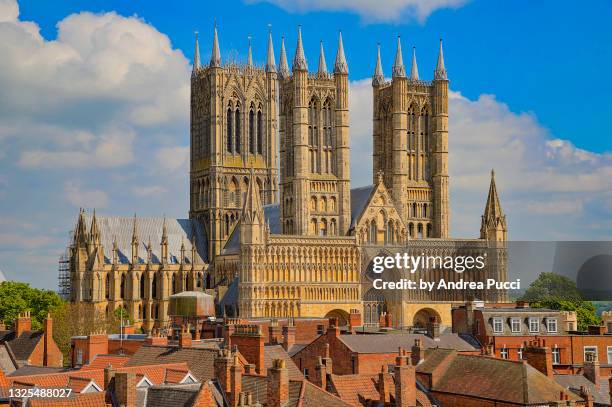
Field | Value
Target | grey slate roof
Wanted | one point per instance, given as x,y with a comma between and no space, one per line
359,199
272,352
601,394
179,230
389,343
21,347
172,395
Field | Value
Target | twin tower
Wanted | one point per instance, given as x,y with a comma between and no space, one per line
239,110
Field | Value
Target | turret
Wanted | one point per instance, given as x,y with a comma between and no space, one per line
379,77
95,242
493,225
299,60
215,57
270,62
196,55
414,70
283,70
340,65
398,66
440,72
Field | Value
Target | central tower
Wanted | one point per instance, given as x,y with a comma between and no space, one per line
314,145
233,131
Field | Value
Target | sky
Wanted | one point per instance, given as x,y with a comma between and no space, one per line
94,106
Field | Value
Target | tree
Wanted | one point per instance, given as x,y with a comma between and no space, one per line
551,285
557,292
76,319
16,297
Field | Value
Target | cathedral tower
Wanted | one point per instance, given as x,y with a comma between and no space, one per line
233,130
410,137
314,145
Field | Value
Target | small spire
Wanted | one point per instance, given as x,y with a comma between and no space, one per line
493,206
414,70
250,54
340,66
284,67
215,58
164,231
440,72
135,231
322,70
378,77
299,61
270,63
398,66
196,54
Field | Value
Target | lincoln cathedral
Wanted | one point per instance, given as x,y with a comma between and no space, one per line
274,227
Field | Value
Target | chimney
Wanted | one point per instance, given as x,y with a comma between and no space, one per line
539,356
591,369
278,384
156,339
383,391
125,389
185,340
249,369
288,337
433,328
417,352
235,381
96,344
274,333
333,330
585,393
22,323
354,320
405,381
596,330
222,366
48,340
320,376
109,374
250,342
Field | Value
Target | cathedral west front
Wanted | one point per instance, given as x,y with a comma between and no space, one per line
275,228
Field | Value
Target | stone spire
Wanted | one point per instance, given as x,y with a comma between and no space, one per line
196,54
414,70
270,63
398,66
493,225
378,78
115,255
284,67
340,66
322,70
94,231
80,234
164,242
440,72
252,223
299,61
215,57
250,54
135,242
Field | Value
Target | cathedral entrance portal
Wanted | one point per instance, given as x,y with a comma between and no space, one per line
374,305
425,315
340,315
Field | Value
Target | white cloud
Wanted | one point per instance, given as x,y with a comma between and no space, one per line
152,190
371,11
549,188
173,158
85,198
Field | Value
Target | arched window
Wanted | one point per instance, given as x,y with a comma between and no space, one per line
122,289
327,159
142,286
260,133
199,280
313,203
154,286
173,284
107,287
332,227
323,228
420,231
252,137
425,210
373,232
140,311
411,229
313,135
238,130
313,226
428,230
414,210
230,124
332,204
323,204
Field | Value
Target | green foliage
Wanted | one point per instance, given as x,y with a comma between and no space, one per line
16,298
121,314
557,292
551,285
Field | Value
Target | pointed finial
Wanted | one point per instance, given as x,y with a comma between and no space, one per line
398,66
378,77
215,58
414,71
284,66
250,54
340,66
196,54
270,63
299,61
164,231
135,231
440,72
492,172
322,70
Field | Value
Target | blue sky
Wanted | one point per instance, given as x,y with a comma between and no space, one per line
94,106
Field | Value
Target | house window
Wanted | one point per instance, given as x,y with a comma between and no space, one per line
534,325
306,374
551,325
79,356
498,325
320,329
519,353
556,355
609,354
515,324
590,351
503,353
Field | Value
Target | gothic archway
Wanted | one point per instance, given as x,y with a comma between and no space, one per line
340,315
423,316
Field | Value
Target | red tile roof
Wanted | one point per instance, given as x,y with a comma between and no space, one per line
102,361
81,400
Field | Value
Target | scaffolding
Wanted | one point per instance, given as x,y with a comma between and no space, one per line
63,277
